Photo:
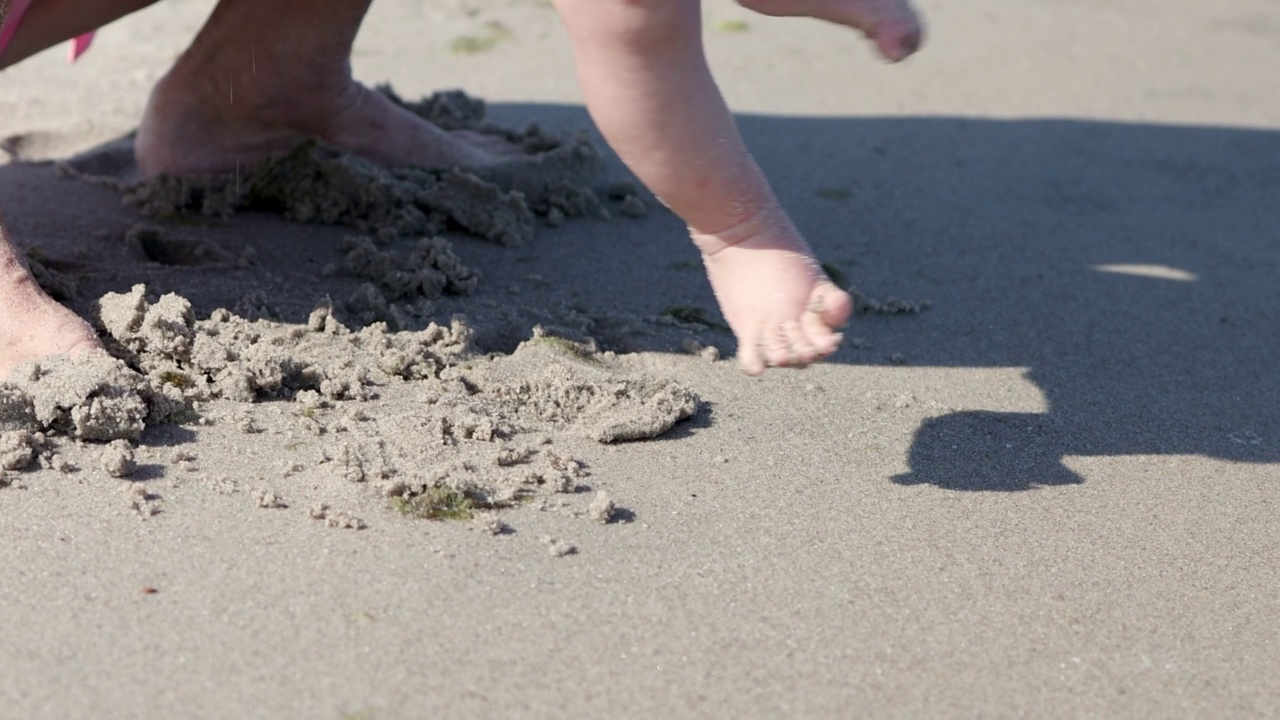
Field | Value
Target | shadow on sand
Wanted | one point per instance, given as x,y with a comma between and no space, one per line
1133,270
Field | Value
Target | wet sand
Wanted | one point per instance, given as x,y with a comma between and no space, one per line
371,463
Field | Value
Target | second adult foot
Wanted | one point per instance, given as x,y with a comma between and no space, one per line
209,115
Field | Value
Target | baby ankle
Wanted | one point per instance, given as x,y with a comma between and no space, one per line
769,221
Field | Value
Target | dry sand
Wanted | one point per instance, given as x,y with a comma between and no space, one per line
1040,478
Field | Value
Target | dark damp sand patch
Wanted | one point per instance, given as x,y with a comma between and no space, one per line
494,33
839,277
549,180
157,245
58,279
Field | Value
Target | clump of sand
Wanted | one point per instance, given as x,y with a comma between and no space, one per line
400,289
412,416
118,459
550,381
95,398
183,360
18,449
602,509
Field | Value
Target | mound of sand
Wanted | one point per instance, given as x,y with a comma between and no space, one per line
418,415
411,414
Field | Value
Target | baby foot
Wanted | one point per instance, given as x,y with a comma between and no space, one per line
891,24
778,301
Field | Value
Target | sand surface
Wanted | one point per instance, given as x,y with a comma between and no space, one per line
1041,477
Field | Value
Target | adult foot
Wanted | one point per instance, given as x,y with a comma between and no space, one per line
262,77
781,306
192,128
32,325
892,24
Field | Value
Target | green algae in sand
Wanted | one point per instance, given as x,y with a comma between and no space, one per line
179,380
732,26
494,32
568,348
568,343
442,503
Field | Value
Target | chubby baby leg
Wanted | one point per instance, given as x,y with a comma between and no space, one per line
649,90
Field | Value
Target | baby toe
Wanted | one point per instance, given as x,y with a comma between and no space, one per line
820,336
830,305
802,348
777,348
750,356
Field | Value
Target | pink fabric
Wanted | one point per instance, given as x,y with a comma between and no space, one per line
17,10
78,46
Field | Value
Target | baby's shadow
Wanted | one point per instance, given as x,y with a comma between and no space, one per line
984,450
1130,269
